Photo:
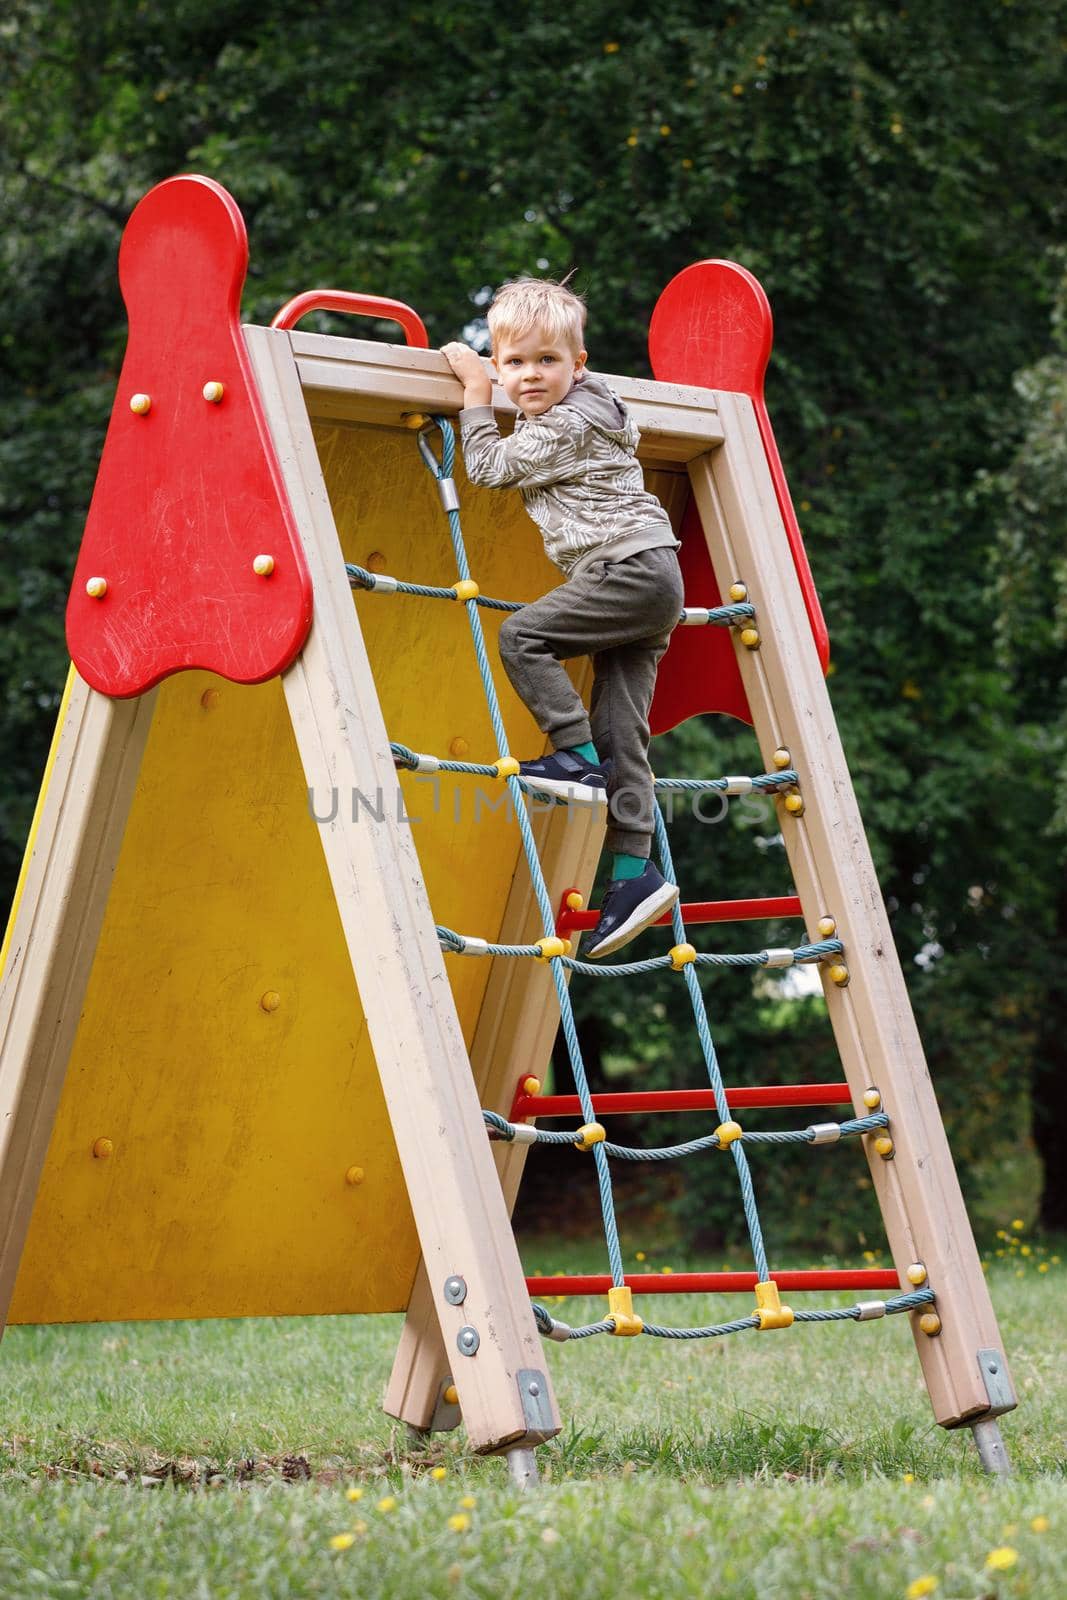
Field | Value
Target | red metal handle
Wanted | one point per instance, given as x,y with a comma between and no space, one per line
356,305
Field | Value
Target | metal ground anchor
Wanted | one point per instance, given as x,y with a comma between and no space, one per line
991,1448
522,1467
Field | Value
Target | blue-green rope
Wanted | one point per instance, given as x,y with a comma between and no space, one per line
710,1141
906,1302
803,954
700,1017
361,578
413,761
442,471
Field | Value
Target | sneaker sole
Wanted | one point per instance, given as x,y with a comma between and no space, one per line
639,919
577,793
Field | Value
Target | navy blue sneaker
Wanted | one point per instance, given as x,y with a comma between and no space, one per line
630,906
566,776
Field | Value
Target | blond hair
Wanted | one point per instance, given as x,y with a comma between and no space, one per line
527,303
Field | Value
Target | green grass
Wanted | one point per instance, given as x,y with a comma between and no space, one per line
212,1459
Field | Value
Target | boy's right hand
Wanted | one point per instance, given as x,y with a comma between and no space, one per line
467,365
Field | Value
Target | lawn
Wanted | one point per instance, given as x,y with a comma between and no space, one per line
215,1459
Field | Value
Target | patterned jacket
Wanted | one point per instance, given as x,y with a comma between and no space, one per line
576,468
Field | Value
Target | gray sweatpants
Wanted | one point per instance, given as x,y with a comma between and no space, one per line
621,613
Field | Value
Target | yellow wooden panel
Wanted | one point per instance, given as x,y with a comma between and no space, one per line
233,1126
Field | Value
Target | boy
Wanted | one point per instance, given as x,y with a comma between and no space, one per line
572,457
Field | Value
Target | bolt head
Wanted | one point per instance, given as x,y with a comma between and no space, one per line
96,588
263,566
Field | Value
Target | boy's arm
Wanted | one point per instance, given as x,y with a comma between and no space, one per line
542,452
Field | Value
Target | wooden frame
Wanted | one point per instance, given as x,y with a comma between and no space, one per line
460,1195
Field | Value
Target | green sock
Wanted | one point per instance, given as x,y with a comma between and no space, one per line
627,866
586,751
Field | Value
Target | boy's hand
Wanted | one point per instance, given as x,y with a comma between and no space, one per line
467,365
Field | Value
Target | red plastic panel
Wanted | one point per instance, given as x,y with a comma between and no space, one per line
712,327
354,305
189,493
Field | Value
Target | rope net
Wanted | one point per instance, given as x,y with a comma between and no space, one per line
729,1137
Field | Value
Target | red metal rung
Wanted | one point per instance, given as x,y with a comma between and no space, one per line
766,1095
715,1282
695,912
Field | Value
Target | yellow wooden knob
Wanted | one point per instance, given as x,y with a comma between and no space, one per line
930,1323
263,566
102,1149
214,392
141,404
96,588
738,592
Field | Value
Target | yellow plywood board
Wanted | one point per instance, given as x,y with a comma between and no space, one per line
233,1120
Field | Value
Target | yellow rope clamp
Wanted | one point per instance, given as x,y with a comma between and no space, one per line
728,1133
621,1313
506,767
682,955
591,1133
466,589
769,1308
551,946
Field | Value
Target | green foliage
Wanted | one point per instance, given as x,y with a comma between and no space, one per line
893,177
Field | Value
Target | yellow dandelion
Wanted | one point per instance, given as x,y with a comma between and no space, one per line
805,505
611,48
468,1502
354,1493
738,88
686,163
667,1270
761,61
665,129
1055,1260
1026,1250
342,1541
1042,1266
437,1473
387,1502
632,140
1018,1224
640,1256
896,128
909,1477
459,1522
1039,1524
1003,1557
920,1586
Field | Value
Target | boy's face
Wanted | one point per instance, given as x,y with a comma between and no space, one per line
536,372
